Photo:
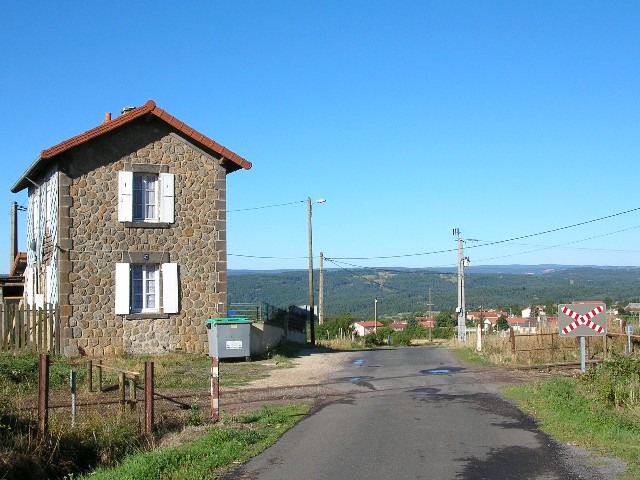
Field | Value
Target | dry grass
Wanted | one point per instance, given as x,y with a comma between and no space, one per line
338,344
546,346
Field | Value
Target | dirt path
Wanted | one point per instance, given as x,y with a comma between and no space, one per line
314,366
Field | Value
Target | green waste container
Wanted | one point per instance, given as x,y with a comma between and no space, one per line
229,337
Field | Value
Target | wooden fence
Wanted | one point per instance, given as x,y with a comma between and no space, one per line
24,329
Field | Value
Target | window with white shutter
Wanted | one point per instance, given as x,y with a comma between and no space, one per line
146,197
139,292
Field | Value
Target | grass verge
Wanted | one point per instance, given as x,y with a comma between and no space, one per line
566,410
212,454
469,356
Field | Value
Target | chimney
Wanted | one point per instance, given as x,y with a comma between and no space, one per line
107,118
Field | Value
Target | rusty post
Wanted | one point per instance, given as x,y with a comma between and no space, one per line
89,376
99,369
512,340
215,389
121,389
148,397
43,394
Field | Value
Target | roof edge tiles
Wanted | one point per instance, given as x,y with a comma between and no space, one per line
149,107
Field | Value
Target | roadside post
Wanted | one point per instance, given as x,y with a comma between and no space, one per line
582,320
72,384
629,331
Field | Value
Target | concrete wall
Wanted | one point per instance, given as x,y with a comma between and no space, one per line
264,337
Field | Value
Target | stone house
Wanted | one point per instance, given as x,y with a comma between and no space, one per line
126,234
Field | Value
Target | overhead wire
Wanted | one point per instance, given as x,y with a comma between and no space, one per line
548,247
496,242
481,243
265,206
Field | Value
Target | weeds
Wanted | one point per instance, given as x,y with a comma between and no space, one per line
103,435
566,409
615,382
210,455
193,417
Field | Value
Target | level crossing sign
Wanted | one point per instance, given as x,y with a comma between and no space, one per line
582,320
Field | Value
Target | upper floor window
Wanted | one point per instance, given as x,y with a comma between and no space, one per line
146,198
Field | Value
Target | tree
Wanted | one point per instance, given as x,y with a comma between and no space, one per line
334,326
445,319
502,323
550,309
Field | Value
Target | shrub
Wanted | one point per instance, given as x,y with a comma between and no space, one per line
615,382
401,338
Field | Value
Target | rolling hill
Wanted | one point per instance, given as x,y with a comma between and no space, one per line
406,290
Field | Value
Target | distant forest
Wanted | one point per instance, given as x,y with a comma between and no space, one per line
407,291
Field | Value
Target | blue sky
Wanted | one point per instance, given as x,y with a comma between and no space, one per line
503,119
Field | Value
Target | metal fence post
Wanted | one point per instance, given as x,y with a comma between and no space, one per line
121,390
512,340
43,394
89,376
148,397
99,369
72,381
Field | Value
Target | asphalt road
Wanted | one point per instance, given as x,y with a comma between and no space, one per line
415,413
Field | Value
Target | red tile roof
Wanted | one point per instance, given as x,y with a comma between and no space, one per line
149,108
370,324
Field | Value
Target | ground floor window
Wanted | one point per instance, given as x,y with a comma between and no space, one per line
146,288
144,281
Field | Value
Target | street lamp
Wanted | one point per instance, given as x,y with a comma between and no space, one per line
312,329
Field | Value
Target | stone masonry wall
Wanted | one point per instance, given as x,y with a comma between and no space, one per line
95,239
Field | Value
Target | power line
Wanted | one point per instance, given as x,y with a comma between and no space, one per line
266,206
264,257
556,229
548,247
353,274
497,242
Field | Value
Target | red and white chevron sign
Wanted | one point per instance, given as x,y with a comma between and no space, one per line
584,319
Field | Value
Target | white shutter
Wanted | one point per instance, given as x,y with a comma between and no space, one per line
170,287
125,196
123,278
167,200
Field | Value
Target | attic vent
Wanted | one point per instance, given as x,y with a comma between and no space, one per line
126,109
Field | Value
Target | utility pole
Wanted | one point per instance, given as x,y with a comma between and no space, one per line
461,310
312,328
311,301
430,314
13,245
321,291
